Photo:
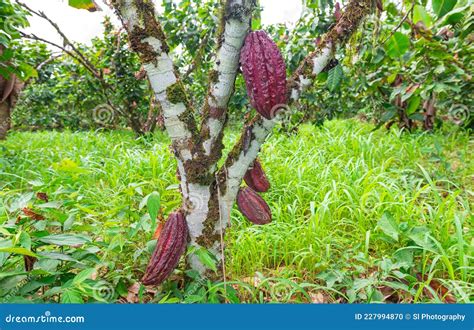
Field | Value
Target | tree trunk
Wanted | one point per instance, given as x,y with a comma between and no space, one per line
5,121
430,113
9,92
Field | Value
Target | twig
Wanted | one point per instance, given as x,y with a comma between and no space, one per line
35,37
400,24
79,54
49,60
198,57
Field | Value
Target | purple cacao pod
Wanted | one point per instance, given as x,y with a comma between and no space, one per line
169,249
256,179
253,207
264,72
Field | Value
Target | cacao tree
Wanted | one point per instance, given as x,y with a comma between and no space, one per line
208,190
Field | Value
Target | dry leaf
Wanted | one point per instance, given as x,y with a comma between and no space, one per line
32,215
29,263
158,230
318,298
42,196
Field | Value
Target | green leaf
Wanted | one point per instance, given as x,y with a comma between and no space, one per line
455,16
26,71
421,236
89,5
71,296
387,115
397,45
413,105
17,250
404,258
206,258
420,14
257,23
153,205
69,221
83,275
417,116
57,256
442,7
25,240
65,239
334,78
11,274
388,225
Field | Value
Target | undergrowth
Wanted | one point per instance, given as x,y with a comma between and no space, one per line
358,216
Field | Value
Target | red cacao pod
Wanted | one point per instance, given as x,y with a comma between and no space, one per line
264,71
253,207
256,179
169,249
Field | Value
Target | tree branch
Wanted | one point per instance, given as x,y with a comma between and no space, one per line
67,42
400,23
235,23
148,40
73,55
353,15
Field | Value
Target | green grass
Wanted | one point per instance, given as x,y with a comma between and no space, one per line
359,216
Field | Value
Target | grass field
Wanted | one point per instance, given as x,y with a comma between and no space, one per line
359,216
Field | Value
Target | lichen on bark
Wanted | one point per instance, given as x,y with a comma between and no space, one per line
147,27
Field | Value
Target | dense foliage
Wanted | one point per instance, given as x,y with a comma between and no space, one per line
12,59
410,52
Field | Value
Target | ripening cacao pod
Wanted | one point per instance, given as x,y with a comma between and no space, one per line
256,179
264,72
169,248
253,207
